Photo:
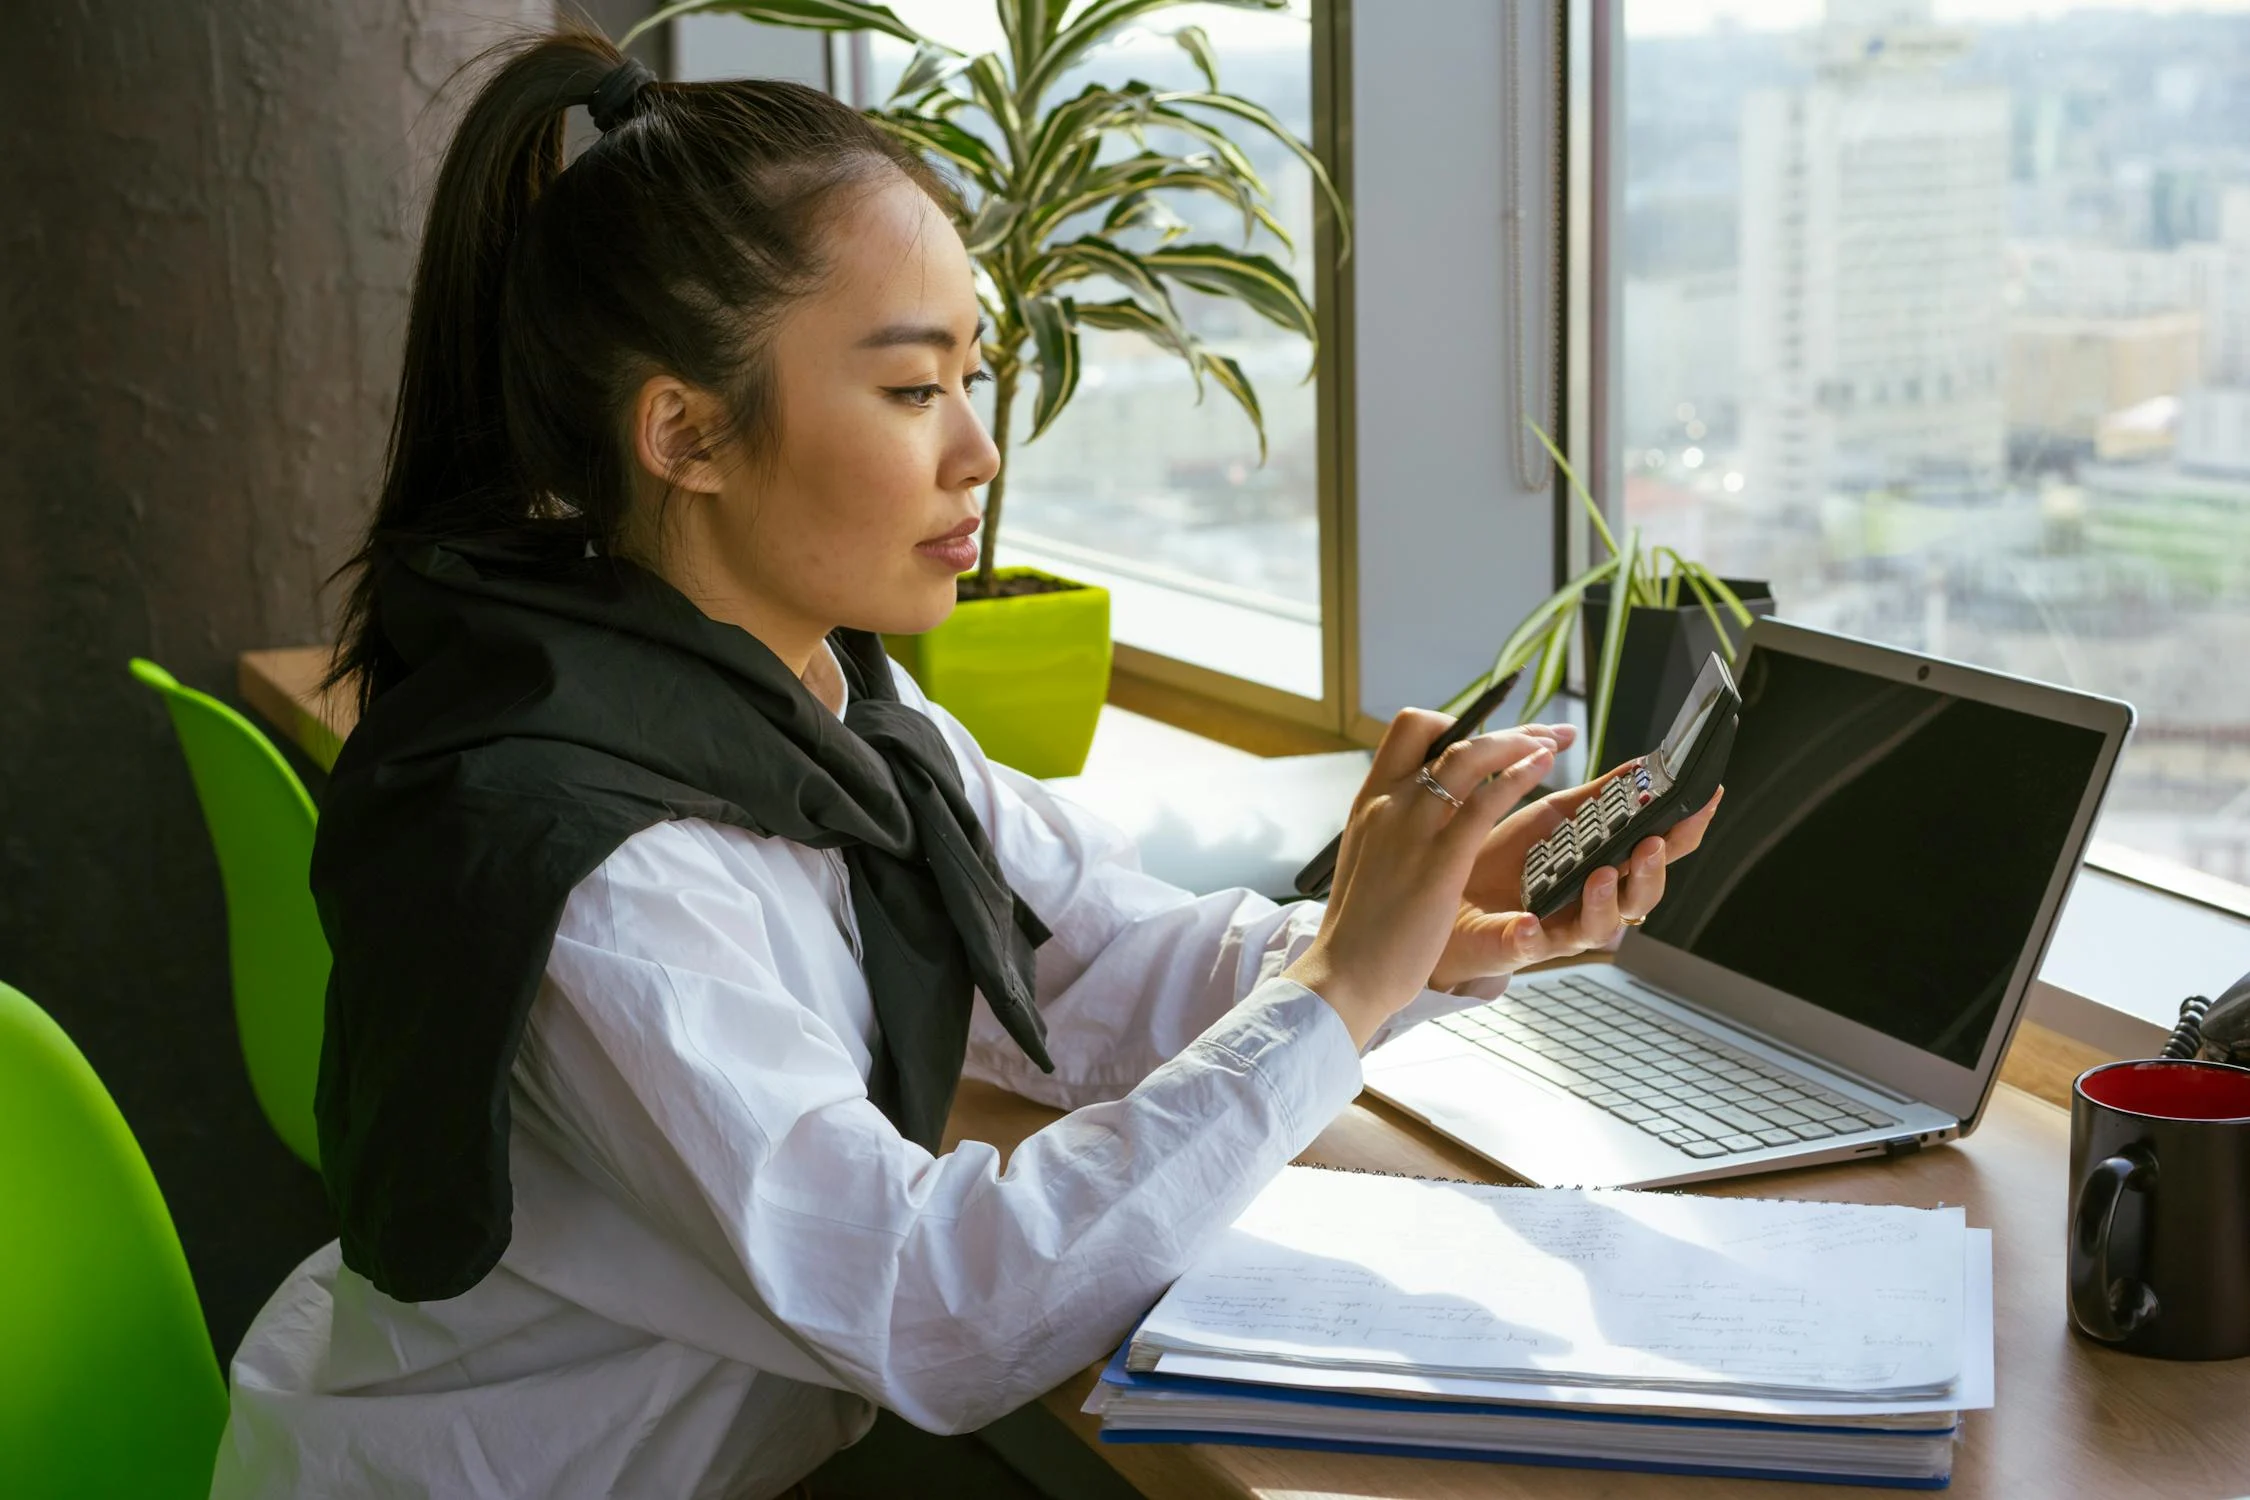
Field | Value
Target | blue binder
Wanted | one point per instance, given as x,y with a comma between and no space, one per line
1115,1375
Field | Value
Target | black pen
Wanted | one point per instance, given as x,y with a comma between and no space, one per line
1319,872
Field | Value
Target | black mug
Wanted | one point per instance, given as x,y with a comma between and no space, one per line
2160,1208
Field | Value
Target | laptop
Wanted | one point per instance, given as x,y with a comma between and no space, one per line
1835,973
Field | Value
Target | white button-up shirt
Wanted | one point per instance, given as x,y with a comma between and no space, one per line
724,1255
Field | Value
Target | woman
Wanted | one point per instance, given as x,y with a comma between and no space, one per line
660,906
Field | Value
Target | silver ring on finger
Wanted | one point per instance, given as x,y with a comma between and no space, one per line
1436,788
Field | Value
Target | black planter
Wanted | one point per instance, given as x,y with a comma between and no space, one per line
1664,649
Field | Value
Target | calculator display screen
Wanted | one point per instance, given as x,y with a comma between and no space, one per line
1883,848
1710,686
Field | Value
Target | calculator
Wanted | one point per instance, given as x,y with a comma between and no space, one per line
1648,796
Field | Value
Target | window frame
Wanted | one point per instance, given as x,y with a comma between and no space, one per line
1448,550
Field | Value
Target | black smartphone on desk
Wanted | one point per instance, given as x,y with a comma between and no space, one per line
1671,782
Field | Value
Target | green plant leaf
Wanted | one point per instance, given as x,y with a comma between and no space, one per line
946,139
1667,564
1264,119
1601,685
1577,487
1554,662
1648,581
1197,45
1097,183
1230,379
1726,595
1096,24
1259,212
1230,153
988,84
932,65
808,15
936,103
1254,280
1128,316
1149,172
1077,167
1065,129
1057,343
1030,27
1142,211
990,225
1098,109
1091,255
1703,597
1516,650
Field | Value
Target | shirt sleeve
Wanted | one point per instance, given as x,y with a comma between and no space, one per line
1136,966
678,1070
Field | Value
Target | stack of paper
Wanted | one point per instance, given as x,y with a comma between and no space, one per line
1617,1329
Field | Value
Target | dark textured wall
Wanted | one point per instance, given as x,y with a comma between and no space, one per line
206,231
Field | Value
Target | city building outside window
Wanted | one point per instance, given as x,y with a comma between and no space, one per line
1936,313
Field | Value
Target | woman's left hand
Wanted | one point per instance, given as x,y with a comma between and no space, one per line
1494,935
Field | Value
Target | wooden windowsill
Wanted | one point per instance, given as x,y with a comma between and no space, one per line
1233,724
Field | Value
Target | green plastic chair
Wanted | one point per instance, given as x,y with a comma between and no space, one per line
261,824
108,1386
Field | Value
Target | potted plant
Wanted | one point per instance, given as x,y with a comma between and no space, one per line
1024,660
1647,654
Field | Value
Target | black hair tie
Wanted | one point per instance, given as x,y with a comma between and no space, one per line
616,96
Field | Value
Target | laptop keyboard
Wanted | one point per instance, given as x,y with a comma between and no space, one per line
1679,1084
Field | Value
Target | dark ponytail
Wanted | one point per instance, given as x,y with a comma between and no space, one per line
546,295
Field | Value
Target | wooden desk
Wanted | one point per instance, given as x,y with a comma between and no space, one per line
2073,1418
284,685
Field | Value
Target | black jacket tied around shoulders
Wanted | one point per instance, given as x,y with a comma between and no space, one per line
539,718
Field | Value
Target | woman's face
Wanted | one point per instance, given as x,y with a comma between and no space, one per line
866,512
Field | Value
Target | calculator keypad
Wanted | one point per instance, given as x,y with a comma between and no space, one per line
1555,858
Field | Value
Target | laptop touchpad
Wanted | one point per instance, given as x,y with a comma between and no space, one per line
1539,1134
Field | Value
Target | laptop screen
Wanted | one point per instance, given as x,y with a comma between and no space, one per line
1883,848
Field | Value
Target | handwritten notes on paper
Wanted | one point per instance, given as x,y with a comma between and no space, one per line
1589,1287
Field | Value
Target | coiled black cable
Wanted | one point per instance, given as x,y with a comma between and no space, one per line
2187,1035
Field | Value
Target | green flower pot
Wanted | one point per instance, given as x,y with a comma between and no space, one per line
1026,673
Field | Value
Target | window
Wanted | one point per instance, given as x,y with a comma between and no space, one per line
1936,313
1210,558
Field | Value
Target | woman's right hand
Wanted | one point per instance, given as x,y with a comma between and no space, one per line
1406,855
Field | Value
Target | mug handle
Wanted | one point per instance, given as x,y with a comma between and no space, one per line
2108,1307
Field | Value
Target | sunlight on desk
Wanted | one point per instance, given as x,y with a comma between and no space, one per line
1207,816
2072,1419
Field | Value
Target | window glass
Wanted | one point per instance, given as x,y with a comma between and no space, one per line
1936,314
1210,557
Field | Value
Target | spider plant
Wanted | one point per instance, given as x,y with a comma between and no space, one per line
1051,206
1638,576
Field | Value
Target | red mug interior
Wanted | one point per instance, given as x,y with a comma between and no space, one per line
2171,1090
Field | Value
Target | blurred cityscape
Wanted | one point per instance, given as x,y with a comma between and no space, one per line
1944,329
